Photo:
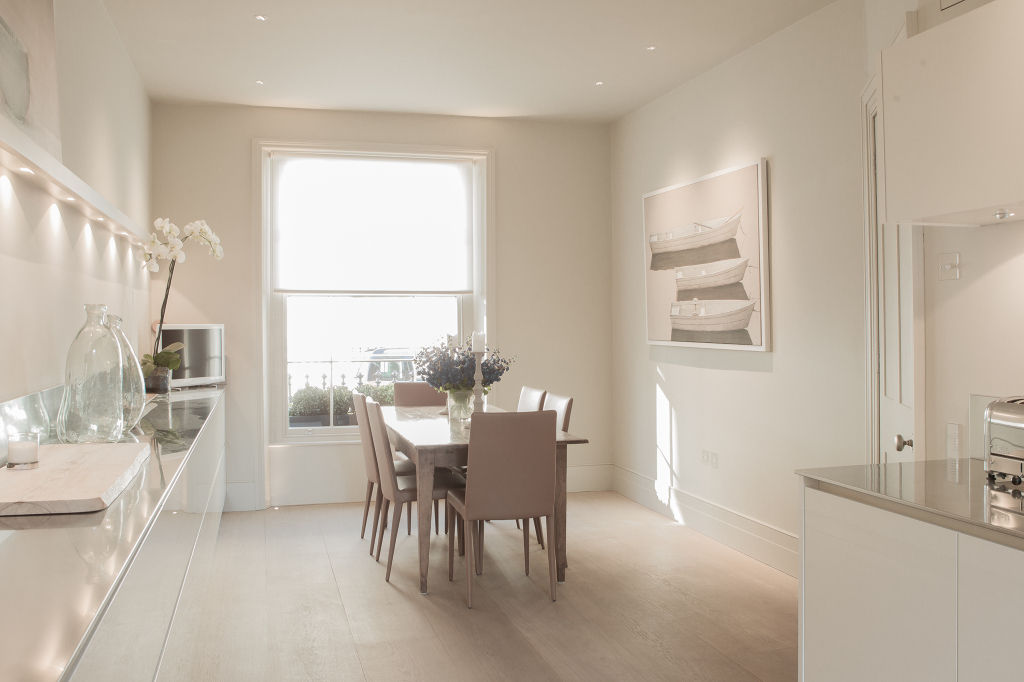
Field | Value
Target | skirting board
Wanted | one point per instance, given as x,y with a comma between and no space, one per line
778,549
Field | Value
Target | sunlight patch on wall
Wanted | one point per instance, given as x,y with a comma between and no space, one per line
663,427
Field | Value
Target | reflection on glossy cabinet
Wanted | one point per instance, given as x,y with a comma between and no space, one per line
953,108
990,605
879,594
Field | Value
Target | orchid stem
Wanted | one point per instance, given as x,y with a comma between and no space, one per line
163,309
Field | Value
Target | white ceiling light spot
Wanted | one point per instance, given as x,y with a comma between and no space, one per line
652,48
599,83
259,82
260,17
27,170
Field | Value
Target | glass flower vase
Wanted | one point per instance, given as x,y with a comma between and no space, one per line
460,407
92,406
133,384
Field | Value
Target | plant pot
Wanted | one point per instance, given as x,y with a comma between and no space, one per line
159,381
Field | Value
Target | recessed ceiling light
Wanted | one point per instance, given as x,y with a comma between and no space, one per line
260,17
1003,214
599,83
259,82
652,48
99,219
69,198
27,170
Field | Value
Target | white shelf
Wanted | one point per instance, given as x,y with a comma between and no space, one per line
20,154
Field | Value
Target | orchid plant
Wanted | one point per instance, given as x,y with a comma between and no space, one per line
168,243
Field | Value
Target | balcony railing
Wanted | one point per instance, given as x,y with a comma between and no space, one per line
320,391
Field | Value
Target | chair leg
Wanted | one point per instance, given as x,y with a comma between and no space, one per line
408,517
396,523
446,517
517,523
366,509
470,552
540,533
451,544
461,527
437,528
526,547
383,527
479,544
552,574
376,518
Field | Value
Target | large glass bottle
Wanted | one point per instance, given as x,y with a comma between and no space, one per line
133,384
92,407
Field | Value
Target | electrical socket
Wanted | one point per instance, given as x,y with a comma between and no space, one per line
709,458
714,460
705,457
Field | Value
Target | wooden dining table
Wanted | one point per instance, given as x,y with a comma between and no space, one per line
424,435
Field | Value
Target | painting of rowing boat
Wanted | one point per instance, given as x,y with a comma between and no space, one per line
706,261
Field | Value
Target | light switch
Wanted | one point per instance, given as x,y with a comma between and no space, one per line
949,266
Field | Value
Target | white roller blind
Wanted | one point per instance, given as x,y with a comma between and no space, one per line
350,223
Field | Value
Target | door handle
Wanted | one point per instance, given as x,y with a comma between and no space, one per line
902,442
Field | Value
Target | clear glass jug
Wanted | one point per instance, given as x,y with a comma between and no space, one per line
133,384
92,407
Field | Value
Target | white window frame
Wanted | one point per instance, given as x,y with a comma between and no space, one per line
472,311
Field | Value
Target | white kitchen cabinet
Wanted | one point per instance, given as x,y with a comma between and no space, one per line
990,606
878,597
953,107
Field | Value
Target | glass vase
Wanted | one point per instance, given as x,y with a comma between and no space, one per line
92,406
133,385
460,407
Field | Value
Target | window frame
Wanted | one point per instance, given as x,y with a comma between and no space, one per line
471,306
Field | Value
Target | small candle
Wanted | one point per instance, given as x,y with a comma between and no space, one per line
23,451
479,342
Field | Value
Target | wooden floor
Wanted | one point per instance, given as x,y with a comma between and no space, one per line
296,597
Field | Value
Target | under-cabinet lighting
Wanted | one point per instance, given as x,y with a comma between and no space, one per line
1003,214
599,83
259,82
25,169
69,198
260,17
652,48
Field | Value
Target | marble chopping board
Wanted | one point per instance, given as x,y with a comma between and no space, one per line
71,479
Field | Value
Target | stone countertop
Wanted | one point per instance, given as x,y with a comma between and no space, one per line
955,493
60,571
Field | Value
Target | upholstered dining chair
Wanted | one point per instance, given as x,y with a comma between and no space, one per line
511,475
562,405
399,490
530,399
403,467
418,394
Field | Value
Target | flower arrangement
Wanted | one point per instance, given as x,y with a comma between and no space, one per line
168,243
451,367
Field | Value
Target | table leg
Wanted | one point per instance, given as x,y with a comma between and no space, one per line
559,539
424,494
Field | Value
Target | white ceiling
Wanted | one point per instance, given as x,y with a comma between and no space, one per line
538,58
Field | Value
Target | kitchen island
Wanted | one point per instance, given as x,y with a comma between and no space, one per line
104,595
908,571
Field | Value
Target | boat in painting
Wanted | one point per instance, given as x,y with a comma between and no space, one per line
696,235
707,275
711,316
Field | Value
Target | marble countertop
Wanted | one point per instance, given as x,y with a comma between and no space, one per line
61,570
951,490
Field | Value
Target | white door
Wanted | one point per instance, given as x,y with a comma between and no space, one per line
896,312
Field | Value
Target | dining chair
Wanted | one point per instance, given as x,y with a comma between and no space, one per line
403,466
418,394
562,406
511,476
530,399
399,490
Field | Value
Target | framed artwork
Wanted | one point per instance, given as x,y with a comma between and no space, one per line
28,70
706,261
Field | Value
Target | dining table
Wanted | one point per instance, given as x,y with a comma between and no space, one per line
425,436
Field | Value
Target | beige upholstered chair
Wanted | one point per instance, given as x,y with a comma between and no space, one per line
530,399
511,476
402,465
417,394
562,405
398,490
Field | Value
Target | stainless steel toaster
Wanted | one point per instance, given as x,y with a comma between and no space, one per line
1004,438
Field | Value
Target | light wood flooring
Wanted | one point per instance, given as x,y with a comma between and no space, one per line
294,596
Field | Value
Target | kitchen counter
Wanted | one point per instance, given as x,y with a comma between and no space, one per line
61,572
951,493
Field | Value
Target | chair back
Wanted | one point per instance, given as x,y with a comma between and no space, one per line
418,394
562,405
511,473
530,399
382,448
365,437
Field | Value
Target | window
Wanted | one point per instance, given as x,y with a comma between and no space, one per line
371,256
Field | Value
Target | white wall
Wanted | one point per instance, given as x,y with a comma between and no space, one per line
51,262
794,99
104,109
550,305
973,325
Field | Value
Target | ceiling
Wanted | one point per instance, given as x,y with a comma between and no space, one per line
531,58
